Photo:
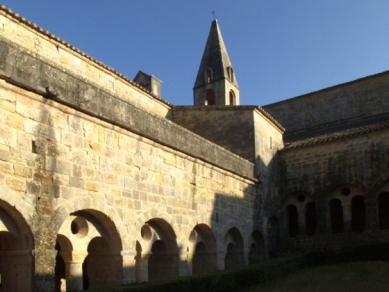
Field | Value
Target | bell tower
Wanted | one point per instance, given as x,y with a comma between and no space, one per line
216,82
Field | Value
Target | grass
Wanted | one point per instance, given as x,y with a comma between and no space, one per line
363,268
357,276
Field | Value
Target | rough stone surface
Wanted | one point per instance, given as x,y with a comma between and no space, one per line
97,172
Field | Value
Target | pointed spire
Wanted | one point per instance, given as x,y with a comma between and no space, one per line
215,57
215,82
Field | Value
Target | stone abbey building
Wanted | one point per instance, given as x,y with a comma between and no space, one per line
102,182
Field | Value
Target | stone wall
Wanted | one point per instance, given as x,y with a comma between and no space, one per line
229,127
64,164
333,108
92,173
43,44
340,169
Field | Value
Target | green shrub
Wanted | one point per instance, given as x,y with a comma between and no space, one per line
248,276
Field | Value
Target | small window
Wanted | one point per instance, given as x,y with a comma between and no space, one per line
336,215
292,220
230,73
232,97
208,76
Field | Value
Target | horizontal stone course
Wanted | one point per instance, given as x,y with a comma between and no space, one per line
81,95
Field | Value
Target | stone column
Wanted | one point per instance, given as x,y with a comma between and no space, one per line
44,270
74,280
182,261
129,266
74,275
221,260
372,222
347,217
189,262
144,268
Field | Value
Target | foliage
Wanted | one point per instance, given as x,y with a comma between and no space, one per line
249,276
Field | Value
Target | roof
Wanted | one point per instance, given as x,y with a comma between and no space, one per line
347,133
215,57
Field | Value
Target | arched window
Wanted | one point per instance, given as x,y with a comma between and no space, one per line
383,210
310,218
292,220
358,213
273,230
209,97
336,213
232,97
208,76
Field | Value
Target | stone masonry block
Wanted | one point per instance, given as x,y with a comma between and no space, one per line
8,136
16,184
23,171
6,167
91,186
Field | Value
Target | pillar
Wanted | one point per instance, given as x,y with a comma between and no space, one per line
302,228
129,266
74,274
347,217
44,270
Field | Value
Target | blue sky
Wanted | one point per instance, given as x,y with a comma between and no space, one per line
279,49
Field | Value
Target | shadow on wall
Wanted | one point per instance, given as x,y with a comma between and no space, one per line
85,250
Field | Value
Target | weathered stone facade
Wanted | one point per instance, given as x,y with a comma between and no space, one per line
103,183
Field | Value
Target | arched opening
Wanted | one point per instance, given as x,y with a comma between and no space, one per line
204,257
160,262
274,237
208,75
383,210
163,261
292,220
90,246
358,213
231,259
231,97
200,261
209,97
16,245
257,248
60,270
234,249
310,218
336,216
138,261
96,266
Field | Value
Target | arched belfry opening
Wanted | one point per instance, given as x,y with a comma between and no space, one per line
215,73
209,97
208,76
232,97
